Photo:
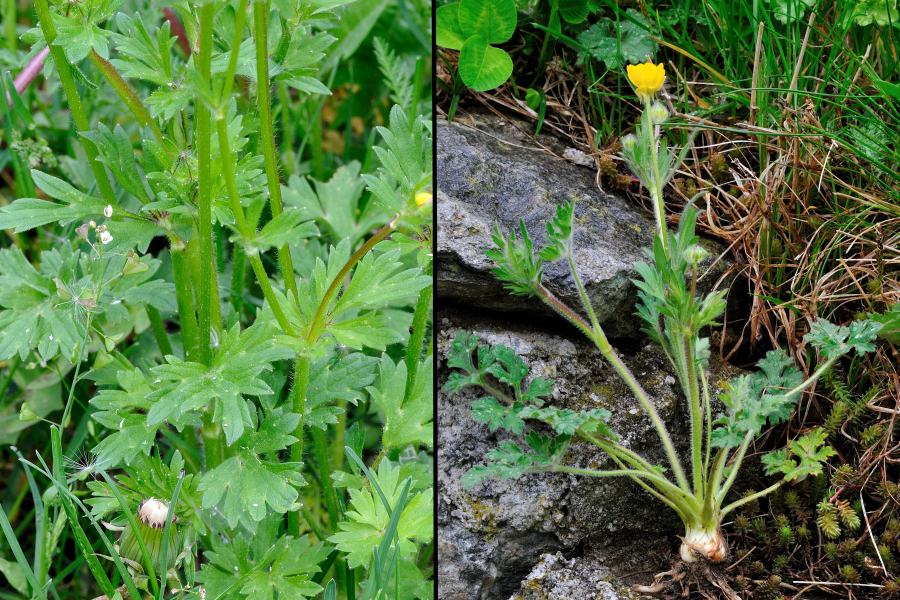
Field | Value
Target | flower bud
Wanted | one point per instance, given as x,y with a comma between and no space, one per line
151,522
628,143
658,113
423,198
694,254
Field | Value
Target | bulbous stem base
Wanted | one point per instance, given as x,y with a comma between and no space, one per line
703,544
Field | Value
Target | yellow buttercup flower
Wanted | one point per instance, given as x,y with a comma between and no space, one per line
423,198
647,79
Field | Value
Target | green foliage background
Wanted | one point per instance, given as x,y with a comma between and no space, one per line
217,297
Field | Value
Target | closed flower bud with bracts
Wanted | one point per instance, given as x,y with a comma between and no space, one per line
658,113
629,141
423,198
151,522
694,254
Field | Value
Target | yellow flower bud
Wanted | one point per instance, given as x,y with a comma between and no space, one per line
647,79
423,198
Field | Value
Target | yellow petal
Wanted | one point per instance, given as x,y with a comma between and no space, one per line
647,78
423,198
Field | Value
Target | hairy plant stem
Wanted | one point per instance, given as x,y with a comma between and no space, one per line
207,286
243,227
607,351
267,133
656,191
184,297
298,405
127,95
79,116
693,394
666,491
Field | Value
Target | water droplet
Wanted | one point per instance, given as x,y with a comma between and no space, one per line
255,504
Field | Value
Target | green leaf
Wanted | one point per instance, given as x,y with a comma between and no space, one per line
335,204
116,152
336,378
489,412
448,32
574,11
123,411
15,575
409,422
238,568
405,157
834,340
890,324
396,72
493,20
244,485
616,44
186,387
381,280
483,67
559,233
139,56
77,38
753,400
367,518
802,458
288,227
515,263
28,213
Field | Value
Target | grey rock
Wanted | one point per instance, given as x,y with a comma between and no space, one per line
558,578
555,578
490,537
489,173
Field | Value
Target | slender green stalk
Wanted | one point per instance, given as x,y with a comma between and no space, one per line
184,297
693,394
243,227
582,292
318,321
301,365
267,133
751,498
159,331
656,189
720,493
606,349
228,81
127,95
416,341
238,276
320,445
79,116
9,23
207,275
298,405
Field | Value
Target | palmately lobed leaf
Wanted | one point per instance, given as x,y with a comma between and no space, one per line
246,487
367,518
